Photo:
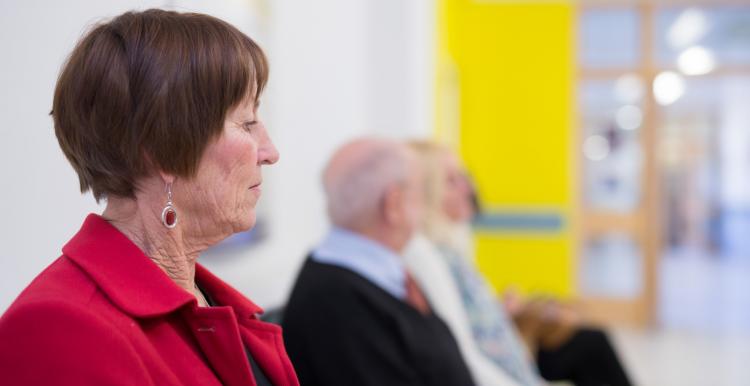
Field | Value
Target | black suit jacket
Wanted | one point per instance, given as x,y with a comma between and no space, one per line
341,329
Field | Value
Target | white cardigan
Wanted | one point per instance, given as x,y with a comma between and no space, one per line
433,275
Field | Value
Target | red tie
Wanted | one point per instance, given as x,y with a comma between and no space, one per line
414,295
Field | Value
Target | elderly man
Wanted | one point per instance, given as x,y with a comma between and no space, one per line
355,316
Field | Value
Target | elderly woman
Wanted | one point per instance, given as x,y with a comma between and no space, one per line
438,256
157,113
443,263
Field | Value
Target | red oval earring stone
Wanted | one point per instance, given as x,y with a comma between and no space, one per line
171,217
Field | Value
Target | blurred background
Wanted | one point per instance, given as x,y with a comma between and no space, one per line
609,142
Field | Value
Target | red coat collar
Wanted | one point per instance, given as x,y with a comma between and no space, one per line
133,282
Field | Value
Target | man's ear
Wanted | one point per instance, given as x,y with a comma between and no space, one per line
393,205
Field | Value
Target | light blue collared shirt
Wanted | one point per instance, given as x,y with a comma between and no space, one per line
365,257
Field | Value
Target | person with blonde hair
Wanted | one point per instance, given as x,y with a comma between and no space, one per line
445,225
500,348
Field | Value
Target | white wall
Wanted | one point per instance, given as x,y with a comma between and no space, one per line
339,69
40,204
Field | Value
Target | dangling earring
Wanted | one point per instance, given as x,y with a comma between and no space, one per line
169,213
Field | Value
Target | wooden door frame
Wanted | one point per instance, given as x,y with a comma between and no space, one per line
645,224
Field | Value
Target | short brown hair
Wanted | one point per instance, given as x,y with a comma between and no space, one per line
150,90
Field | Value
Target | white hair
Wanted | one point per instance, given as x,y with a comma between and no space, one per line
355,193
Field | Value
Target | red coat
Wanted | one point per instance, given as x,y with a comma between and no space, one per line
104,314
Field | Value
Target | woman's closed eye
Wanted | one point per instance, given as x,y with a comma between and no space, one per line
249,125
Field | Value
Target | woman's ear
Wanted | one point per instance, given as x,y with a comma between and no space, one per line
166,177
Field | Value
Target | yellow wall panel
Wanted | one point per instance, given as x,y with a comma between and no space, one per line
516,70
509,68
531,264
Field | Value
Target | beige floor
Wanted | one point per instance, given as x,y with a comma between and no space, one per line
670,357
704,311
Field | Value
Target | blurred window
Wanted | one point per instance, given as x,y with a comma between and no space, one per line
697,40
612,266
611,113
610,38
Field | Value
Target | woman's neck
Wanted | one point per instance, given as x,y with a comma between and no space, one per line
170,249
